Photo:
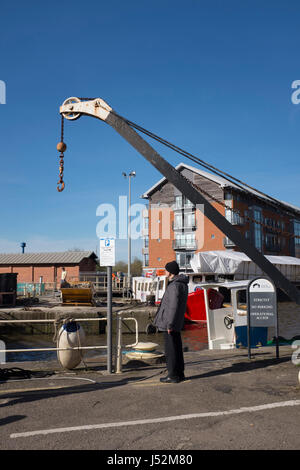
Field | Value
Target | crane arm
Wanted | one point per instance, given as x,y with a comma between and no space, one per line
100,109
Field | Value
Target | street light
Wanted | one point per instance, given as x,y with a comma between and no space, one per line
129,176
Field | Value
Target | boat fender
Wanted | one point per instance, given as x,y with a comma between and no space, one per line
71,335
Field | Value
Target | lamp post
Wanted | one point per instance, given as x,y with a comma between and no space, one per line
129,176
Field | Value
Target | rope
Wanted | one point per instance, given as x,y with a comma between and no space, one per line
59,322
16,373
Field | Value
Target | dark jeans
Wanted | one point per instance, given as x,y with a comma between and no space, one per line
174,354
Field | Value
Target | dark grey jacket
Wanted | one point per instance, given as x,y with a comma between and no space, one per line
170,314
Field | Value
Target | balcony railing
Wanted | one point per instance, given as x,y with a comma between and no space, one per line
235,219
273,247
184,244
228,243
179,205
182,226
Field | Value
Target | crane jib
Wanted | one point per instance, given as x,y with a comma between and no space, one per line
187,189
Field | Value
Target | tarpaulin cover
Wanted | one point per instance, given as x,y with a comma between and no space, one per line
237,263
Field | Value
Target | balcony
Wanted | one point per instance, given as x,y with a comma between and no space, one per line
228,243
275,248
184,227
183,204
183,244
234,218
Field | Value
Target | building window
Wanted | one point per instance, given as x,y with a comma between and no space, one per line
297,240
257,215
178,221
184,260
146,223
146,241
189,220
234,217
227,196
272,242
182,201
297,231
188,203
178,202
186,241
146,260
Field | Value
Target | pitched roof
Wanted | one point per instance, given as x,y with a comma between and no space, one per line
65,257
220,181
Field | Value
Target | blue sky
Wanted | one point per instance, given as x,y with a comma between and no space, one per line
213,77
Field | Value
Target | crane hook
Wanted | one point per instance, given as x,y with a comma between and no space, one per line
60,186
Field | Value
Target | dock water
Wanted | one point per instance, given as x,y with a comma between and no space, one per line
40,335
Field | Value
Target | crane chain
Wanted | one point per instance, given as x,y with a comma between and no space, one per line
61,147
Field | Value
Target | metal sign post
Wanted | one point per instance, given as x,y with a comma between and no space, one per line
262,308
109,319
107,258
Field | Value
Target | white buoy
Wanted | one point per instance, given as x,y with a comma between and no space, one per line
144,351
145,346
71,335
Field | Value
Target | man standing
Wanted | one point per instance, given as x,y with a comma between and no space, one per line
63,279
170,320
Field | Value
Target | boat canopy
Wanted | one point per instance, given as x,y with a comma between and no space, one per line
228,284
225,262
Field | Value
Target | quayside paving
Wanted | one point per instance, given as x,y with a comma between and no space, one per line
226,402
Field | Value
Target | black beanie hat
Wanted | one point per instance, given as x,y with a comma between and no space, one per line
172,267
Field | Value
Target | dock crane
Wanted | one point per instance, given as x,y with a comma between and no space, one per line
73,108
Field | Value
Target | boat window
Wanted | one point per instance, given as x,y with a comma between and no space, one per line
154,285
241,297
161,285
197,279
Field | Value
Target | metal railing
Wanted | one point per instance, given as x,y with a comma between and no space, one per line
183,244
120,320
227,242
77,348
184,226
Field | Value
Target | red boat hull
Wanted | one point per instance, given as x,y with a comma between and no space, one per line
195,307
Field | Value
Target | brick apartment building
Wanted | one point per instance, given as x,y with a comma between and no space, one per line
31,267
175,229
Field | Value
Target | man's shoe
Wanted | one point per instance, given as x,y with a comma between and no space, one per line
181,378
170,380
